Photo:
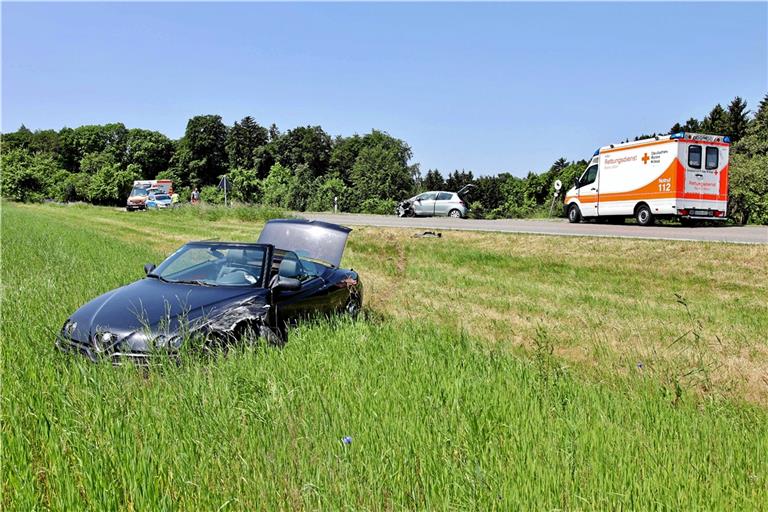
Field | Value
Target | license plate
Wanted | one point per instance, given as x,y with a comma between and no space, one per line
701,213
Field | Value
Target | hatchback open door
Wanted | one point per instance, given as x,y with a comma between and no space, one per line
466,189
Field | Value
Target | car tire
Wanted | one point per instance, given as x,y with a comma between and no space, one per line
271,337
643,215
353,307
454,214
574,214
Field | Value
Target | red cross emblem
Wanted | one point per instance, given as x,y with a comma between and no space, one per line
645,158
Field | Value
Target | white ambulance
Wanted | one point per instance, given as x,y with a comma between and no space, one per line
683,176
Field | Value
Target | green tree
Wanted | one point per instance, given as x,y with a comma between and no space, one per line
246,184
212,194
738,119
755,140
27,177
274,132
279,186
75,143
343,155
692,125
201,156
381,169
20,139
323,192
716,122
458,179
111,183
308,145
433,180
150,151
243,139
560,164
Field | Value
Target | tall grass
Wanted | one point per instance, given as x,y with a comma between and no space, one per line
437,420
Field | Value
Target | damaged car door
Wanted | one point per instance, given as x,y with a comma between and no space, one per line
424,204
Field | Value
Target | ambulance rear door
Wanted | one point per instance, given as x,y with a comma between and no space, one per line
702,171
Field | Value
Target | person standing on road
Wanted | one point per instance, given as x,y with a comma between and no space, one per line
195,196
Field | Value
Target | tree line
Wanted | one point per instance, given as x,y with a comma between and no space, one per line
305,168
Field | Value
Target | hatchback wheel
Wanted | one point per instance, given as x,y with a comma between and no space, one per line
456,214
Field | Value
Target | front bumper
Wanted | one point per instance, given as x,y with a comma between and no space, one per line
116,357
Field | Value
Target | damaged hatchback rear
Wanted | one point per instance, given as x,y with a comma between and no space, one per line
216,291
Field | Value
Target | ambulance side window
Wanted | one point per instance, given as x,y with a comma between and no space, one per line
590,175
694,157
713,158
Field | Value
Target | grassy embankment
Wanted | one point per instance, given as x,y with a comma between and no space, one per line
496,371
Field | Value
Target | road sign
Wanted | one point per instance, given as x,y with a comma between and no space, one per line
558,184
225,184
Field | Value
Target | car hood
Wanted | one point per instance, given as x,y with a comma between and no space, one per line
309,238
155,306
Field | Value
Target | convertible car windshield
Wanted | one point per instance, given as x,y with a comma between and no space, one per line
213,264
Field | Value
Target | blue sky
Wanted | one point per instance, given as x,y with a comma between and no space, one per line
483,87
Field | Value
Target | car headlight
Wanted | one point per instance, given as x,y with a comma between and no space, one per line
166,342
69,327
102,341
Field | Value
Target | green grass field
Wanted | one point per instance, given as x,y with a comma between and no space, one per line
493,372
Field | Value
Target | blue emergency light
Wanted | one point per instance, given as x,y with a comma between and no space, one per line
678,135
727,140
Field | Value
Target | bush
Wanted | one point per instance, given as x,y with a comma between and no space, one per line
279,187
378,206
323,192
748,189
246,185
211,212
69,187
28,177
212,195
477,210
111,184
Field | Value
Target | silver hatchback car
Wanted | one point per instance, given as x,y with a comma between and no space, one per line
437,204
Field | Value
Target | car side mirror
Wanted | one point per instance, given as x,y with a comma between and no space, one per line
290,284
576,183
149,267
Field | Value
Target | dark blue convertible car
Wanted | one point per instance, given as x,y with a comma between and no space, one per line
217,291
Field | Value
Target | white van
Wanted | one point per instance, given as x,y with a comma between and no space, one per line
683,176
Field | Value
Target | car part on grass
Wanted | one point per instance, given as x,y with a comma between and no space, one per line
428,234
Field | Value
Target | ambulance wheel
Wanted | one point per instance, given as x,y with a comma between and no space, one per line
643,215
574,214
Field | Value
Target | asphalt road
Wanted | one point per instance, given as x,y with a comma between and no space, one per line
725,233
